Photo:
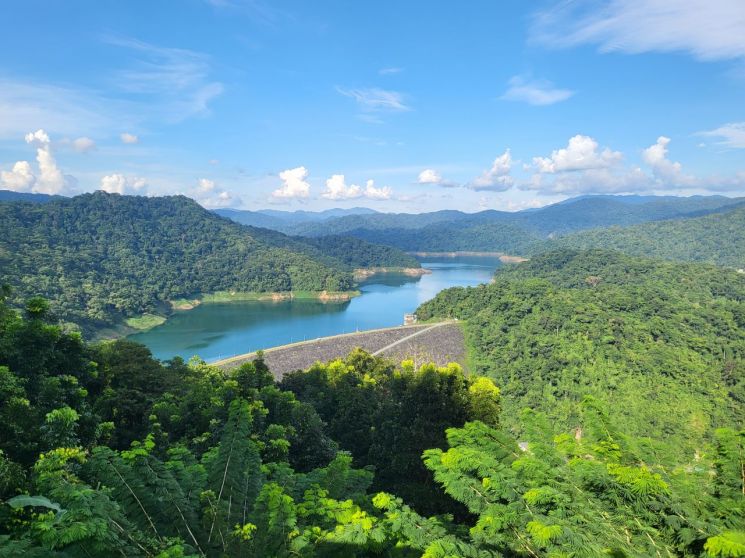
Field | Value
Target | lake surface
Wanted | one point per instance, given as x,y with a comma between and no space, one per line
219,330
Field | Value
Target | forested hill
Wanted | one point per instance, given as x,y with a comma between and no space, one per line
516,233
662,344
718,238
102,257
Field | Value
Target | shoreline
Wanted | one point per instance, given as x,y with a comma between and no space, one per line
365,273
147,321
184,304
504,258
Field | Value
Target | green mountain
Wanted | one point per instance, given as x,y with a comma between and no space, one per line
11,196
716,239
285,221
100,258
661,344
511,232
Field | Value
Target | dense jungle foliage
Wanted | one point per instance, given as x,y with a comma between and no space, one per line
716,239
661,344
107,452
102,257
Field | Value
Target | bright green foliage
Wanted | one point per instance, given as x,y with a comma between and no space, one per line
730,543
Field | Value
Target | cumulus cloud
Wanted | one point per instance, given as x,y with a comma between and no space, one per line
129,138
535,92
667,172
294,184
580,154
19,179
49,178
337,189
496,178
431,176
591,181
706,29
731,134
208,194
83,144
120,184
373,193
582,167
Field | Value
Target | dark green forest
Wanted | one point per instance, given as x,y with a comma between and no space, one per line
99,258
716,239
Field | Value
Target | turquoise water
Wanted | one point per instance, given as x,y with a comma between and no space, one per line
220,330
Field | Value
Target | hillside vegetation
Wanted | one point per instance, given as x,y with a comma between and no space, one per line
102,257
107,452
661,344
717,239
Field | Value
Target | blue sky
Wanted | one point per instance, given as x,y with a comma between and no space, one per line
400,106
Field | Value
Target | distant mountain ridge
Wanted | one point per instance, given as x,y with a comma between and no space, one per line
284,221
11,196
514,233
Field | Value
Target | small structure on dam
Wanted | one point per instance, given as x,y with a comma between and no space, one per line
410,319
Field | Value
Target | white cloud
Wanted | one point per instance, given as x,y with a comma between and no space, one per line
731,134
591,181
120,184
535,92
389,71
206,185
373,193
706,29
19,179
208,194
83,144
496,178
667,172
48,180
431,176
581,153
129,138
374,99
337,189
294,184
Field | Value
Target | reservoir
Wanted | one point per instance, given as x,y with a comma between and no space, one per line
219,330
